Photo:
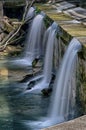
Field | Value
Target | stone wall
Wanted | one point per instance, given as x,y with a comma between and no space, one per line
81,83
67,32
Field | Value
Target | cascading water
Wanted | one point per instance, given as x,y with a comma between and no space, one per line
34,45
30,13
62,91
47,71
52,40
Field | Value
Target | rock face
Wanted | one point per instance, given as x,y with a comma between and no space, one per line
81,84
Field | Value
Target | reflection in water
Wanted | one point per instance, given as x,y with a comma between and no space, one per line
28,107
5,114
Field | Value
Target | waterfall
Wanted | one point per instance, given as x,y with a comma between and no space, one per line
47,69
59,108
34,47
30,13
34,41
49,56
63,88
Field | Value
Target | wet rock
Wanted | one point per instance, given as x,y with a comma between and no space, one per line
26,78
31,84
35,62
46,91
81,87
53,78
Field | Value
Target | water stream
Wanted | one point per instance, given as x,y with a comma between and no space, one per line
34,47
62,87
62,90
30,13
48,61
33,111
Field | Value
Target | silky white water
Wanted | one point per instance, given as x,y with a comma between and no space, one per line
62,90
61,96
30,13
47,70
34,40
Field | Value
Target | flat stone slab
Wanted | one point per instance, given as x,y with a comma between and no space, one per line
45,7
76,30
64,6
59,17
82,40
56,1
77,13
76,124
72,26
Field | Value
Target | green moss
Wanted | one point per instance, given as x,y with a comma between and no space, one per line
47,21
37,11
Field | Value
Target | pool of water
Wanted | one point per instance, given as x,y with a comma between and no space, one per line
18,110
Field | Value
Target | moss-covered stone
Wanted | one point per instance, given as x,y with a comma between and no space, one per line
81,87
59,17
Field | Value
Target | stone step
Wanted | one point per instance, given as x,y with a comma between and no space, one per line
64,5
67,22
77,13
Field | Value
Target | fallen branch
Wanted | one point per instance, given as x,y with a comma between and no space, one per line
32,3
11,35
7,37
17,39
25,12
16,23
15,31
